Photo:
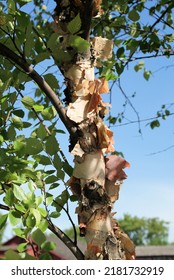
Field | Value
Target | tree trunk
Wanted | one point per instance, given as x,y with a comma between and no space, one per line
96,177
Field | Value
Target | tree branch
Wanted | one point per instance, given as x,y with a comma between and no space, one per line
4,207
29,70
66,240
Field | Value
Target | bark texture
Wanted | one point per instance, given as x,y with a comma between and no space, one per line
97,176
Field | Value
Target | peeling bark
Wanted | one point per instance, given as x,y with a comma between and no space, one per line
96,178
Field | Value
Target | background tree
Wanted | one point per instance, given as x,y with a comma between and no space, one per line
145,231
32,162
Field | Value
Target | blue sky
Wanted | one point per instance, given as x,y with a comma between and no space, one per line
149,189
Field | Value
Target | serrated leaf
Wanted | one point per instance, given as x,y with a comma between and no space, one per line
67,168
3,220
41,131
30,221
9,197
19,193
33,146
52,81
52,147
20,207
42,159
48,113
51,179
28,102
17,122
39,237
74,25
19,232
36,214
14,217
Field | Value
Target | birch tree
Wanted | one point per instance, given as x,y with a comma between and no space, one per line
80,40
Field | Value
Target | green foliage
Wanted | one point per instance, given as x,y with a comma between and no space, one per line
145,231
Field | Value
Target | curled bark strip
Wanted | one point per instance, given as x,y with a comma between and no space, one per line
114,168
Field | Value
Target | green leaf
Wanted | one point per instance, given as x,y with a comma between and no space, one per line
67,168
9,197
14,217
49,198
19,232
52,147
41,159
41,131
31,221
53,42
134,15
48,113
139,66
3,220
51,179
147,74
54,214
154,124
43,212
19,193
45,256
33,146
52,81
74,25
48,246
43,225
38,108
19,113
20,207
57,162
28,102
12,255
38,200
36,214
39,237
78,43
120,52
17,122
23,2
167,112
22,247
73,198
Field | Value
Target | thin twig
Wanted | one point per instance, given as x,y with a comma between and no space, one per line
161,151
69,216
143,120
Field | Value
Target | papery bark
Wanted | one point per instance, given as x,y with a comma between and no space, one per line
94,174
